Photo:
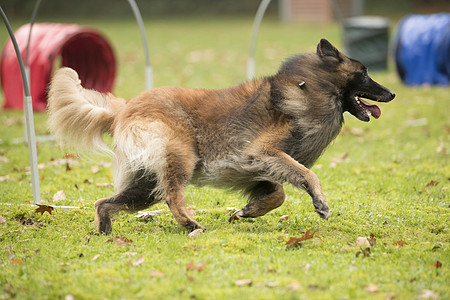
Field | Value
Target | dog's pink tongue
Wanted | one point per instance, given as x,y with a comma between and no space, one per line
374,109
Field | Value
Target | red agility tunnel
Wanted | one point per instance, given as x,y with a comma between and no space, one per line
83,49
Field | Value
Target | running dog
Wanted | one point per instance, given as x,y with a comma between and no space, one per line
251,138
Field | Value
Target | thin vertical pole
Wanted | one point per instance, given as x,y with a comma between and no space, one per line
148,67
256,24
28,111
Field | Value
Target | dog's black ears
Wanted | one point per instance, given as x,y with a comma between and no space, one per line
324,48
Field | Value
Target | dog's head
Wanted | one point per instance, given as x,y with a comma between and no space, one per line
331,74
356,85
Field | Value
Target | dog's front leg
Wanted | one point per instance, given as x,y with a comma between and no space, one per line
280,167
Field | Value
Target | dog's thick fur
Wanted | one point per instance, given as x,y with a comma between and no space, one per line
251,138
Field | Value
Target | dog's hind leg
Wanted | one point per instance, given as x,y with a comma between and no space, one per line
136,196
263,197
179,170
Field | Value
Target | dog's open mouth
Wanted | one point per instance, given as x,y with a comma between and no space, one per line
366,108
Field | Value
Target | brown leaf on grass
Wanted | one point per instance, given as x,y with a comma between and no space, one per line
95,169
4,178
156,273
191,266
400,243
2,220
70,155
294,242
441,148
283,218
372,288
149,214
106,184
294,286
17,261
44,208
137,262
244,282
391,296
366,242
59,196
428,294
432,183
121,241
437,264
195,233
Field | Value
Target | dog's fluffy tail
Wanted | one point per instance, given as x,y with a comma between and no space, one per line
79,117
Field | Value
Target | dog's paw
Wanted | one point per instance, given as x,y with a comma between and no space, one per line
324,214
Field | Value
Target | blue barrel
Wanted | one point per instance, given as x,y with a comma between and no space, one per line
421,49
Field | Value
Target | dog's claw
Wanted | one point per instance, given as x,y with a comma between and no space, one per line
324,214
235,216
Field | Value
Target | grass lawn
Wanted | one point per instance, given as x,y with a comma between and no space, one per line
388,178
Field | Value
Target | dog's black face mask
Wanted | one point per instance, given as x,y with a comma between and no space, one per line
362,86
358,84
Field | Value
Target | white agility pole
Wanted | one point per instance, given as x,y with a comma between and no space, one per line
256,24
148,67
29,121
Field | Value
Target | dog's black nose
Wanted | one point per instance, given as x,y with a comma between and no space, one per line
392,95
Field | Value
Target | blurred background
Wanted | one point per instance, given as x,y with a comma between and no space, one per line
164,8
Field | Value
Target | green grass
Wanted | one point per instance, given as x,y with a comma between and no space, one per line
380,187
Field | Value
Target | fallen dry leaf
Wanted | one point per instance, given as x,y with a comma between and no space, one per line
17,262
294,286
391,296
70,155
244,282
96,256
400,243
427,294
156,273
95,169
437,264
149,214
121,241
2,220
190,266
139,261
283,218
441,149
59,196
44,208
294,242
106,184
366,242
4,178
432,183
195,233
372,288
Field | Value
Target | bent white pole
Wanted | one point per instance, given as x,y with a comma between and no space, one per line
148,67
28,111
256,24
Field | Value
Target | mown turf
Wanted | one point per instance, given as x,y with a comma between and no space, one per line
388,177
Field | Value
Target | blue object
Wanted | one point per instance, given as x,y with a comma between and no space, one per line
421,49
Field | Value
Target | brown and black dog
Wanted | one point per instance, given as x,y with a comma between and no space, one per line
251,138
